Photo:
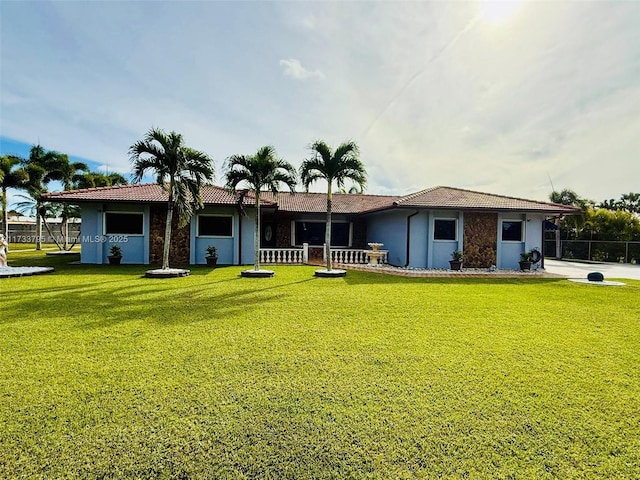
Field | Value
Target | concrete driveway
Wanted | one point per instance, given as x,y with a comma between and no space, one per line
580,270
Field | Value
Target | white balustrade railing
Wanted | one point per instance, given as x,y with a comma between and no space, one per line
301,255
284,255
354,256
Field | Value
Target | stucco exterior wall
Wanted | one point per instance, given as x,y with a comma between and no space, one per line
441,250
96,245
478,234
91,229
534,232
226,246
245,250
390,228
509,251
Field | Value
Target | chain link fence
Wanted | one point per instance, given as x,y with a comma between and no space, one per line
595,250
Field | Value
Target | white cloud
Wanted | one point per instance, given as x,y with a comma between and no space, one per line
293,68
431,96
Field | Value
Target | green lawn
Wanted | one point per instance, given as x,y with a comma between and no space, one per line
47,247
104,374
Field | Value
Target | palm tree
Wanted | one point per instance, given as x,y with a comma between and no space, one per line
339,165
97,179
38,166
10,177
181,172
630,202
574,223
260,171
60,169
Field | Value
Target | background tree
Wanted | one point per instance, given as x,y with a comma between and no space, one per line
260,171
339,165
180,171
629,202
571,224
98,179
38,165
611,221
616,225
59,168
11,176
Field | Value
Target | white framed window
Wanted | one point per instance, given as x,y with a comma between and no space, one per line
512,231
215,226
123,223
312,232
445,229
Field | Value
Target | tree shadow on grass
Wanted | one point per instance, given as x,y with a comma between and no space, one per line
198,303
106,300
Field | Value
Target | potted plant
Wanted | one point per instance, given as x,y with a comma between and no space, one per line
212,256
457,258
526,260
115,255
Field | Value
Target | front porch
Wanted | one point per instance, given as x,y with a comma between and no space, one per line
315,255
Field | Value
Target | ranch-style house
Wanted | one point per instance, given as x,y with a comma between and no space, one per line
419,230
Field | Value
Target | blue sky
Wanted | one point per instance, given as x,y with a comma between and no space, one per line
497,97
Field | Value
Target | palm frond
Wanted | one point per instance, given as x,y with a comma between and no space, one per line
181,171
339,166
260,171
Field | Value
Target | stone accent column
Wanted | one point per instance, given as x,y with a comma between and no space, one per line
180,248
480,239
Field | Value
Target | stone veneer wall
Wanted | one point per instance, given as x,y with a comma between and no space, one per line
480,244
179,250
283,230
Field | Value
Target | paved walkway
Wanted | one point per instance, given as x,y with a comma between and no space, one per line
446,273
553,269
581,270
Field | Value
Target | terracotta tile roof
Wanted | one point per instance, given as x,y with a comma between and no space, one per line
458,199
344,203
437,197
145,193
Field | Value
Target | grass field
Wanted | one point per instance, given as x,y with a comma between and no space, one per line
47,247
104,374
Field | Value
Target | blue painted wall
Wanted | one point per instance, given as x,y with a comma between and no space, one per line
90,234
248,233
96,245
135,248
390,228
226,246
533,233
442,249
508,253
419,235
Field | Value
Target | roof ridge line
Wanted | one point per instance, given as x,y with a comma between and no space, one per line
505,196
415,194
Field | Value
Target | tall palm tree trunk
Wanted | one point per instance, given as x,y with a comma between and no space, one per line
5,215
39,218
327,233
256,238
167,235
65,233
